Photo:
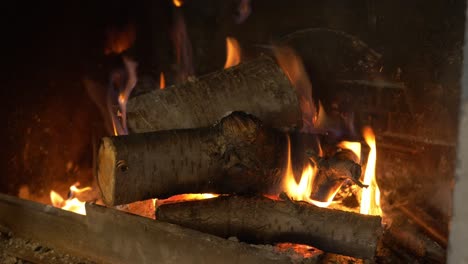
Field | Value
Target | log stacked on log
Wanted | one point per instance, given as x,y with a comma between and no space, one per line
238,155
192,144
258,87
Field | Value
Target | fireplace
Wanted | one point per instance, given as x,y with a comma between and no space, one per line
346,101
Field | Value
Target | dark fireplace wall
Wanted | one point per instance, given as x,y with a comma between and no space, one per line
52,124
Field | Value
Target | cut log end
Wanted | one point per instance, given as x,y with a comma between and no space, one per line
105,171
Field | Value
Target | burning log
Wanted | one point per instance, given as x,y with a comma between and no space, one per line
261,220
258,87
238,155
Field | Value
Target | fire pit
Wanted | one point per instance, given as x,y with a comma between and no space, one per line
234,131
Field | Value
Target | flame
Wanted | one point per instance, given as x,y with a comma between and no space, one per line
117,41
71,204
370,199
162,81
293,67
355,147
178,3
119,126
233,53
244,9
301,191
182,46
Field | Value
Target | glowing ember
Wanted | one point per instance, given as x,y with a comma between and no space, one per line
185,197
355,147
71,204
162,81
370,200
303,250
178,3
233,53
301,191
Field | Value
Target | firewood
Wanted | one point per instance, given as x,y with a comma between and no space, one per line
258,87
406,240
238,155
262,220
106,235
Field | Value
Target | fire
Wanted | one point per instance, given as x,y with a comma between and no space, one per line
71,204
293,67
301,191
162,81
118,41
178,3
233,53
370,199
355,147
119,119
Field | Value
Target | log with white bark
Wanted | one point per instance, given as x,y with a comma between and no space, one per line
239,155
258,87
262,220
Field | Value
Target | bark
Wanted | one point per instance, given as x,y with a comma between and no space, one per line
238,155
106,235
258,87
261,220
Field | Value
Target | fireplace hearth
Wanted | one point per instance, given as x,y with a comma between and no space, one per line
267,131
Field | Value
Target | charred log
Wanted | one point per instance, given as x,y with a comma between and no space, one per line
258,87
261,220
238,155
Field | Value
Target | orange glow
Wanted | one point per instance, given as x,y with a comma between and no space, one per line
162,81
301,191
355,147
233,53
72,204
185,197
117,41
305,251
370,199
178,3
293,67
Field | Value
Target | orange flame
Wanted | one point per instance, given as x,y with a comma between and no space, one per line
355,147
370,199
233,53
72,204
118,41
119,126
293,67
301,191
162,81
178,3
